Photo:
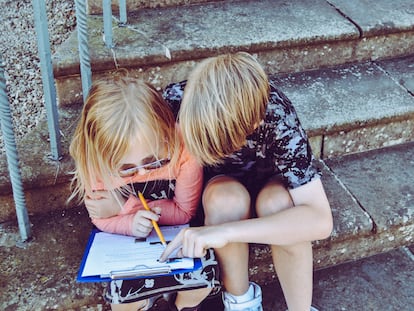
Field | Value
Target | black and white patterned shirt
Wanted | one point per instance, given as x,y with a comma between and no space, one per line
279,146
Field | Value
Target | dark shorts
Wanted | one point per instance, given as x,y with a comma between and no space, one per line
126,291
252,184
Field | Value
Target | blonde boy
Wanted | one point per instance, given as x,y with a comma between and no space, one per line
261,183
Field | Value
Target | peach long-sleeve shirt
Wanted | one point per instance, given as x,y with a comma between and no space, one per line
188,176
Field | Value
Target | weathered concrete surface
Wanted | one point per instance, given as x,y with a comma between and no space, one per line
401,71
355,107
42,275
287,37
375,17
199,30
385,27
95,6
335,99
382,282
46,183
381,182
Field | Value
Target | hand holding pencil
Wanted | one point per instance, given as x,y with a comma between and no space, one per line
154,223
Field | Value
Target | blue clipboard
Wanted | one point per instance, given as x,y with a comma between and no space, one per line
130,273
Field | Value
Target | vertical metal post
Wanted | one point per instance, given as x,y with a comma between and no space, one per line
6,126
122,12
107,17
47,77
84,58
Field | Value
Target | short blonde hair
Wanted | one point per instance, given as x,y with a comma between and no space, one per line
114,114
224,100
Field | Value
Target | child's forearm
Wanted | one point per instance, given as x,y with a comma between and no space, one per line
121,224
172,213
291,226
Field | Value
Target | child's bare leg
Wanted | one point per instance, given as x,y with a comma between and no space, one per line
191,298
293,263
294,267
226,200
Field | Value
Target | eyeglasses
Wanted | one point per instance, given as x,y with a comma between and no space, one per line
129,172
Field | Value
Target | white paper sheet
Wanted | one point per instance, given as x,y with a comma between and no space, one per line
169,232
113,252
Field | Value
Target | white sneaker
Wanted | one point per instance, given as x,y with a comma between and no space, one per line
254,304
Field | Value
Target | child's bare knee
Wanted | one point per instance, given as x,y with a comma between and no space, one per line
272,199
225,202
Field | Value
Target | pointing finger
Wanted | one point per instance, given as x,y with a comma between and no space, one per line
172,246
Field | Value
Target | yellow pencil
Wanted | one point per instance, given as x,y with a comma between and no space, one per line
154,223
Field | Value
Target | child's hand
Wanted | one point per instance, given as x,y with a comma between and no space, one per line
142,224
193,242
103,204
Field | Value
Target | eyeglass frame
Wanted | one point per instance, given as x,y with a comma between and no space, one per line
148,166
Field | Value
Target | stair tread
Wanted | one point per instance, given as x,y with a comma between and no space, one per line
336,106
380,182
383,17
194,31
339,98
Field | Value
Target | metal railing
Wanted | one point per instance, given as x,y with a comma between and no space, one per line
46,69
12,158
82,28
49,90
84,58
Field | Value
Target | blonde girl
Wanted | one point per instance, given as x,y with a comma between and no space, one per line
127,141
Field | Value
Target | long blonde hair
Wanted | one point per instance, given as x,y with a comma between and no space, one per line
224,100
114,113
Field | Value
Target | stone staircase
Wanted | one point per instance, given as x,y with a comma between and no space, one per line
348,66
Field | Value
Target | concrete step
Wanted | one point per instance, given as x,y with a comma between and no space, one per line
354,107
372,198
345,109
287,36
95,6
